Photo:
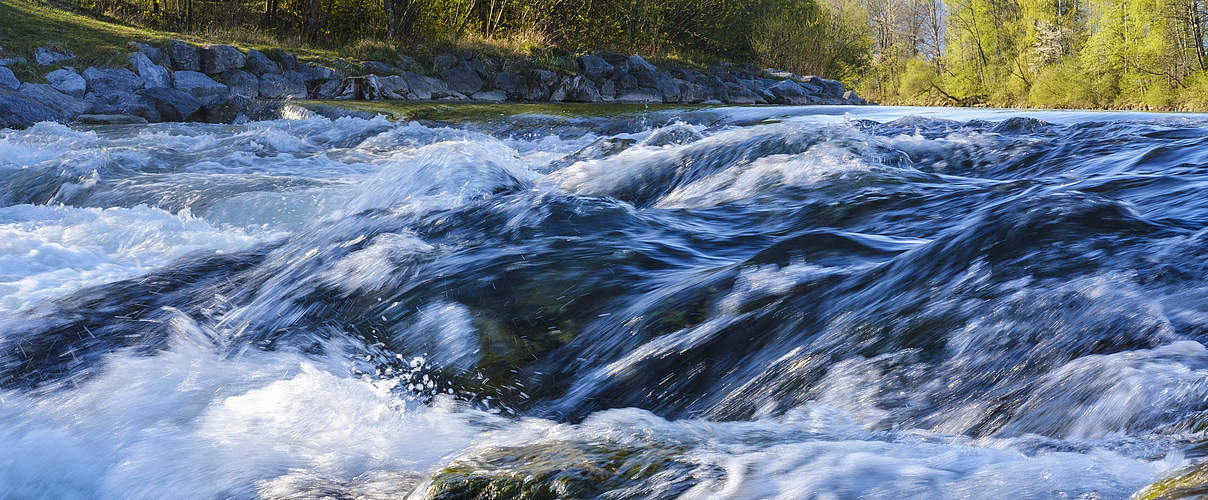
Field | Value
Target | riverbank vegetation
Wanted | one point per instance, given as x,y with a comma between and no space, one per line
1141,54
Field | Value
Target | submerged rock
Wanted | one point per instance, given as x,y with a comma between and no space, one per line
1189,483
111,120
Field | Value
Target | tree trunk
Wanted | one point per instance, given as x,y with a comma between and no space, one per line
312,25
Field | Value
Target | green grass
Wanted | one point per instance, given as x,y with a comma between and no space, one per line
462,112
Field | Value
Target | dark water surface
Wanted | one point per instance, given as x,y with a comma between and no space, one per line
814,302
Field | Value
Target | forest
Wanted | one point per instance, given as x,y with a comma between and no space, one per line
1137,54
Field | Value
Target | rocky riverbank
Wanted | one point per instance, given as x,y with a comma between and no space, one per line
178,81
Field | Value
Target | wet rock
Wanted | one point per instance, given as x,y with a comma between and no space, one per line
424,87
274,86
68,106
594,67
442,62
45,56
199,85
8,79
227,110
1188,483
122,103
111,119
19,111
184,56
679,134
378,67
218,58
173,105
641,95
490,96
153,75
256,63
111,80
67,81
789,92
241,82
462,78
394,87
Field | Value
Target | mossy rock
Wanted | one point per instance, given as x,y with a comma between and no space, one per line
1191,482
564,470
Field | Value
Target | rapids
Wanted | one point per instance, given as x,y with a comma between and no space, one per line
760,302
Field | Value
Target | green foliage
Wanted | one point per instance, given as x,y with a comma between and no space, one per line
807,38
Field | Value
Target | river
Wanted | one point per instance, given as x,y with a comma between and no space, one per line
733,302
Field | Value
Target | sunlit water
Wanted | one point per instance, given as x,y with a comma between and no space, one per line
814,302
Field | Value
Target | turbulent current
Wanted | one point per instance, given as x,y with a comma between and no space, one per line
803,302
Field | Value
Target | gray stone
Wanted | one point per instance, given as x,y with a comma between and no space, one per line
19,111
679,133
394,87
67,106
328,90
67,81
314,73
8,79
575,88
608,90
111,80
511,84
691,93
646,73
378,67
199,85
111,119
594,67
406,63
241,82
122,103
490,96
423,87
442,62
257,63
641,95
184,56
668,87
45,56
829,88
155,54
153,75
738,94
173,105
286,60
218,58
228,110
6,61
538,83
619,62
462,78
789,92
283,86
853,98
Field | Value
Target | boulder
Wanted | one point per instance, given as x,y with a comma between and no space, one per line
738,94
328,90
67,106
462,78
286,60
619,62
8,79
575,88
199,85
511,84
111,80
5,61
45,56
442,62
641,95
153,75
594,67
668,87
218,58
122,103
853,98
227,110
712,88
789,92
67,81
624,81
424,87
608,90
393,87
645,73
289,85
313,73
19,111
407,63
155,54
828,88
537,83
111,119
378,67
184,56
241,82
691,93
257,63
173,105
490,96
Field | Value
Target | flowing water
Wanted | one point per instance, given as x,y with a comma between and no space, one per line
810,302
